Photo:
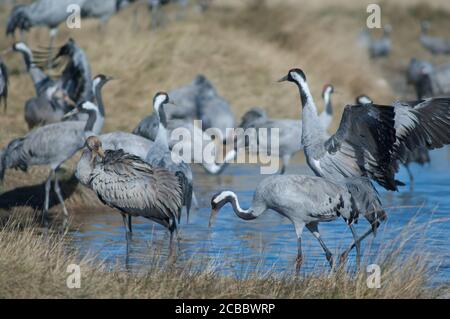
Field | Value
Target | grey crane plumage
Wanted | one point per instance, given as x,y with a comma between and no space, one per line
161,156
184,107
305,200
290,131
381,47
419,155
52,96
433,44
215,113
102,9
3,84
370,137
185,99
49,13
125,182
429,80
50,145
418,75
369,141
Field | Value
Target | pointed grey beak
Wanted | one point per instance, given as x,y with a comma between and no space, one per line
71,113
283,79
172,102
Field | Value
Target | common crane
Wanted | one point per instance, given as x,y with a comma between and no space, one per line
102,9
51,145
149,127
127,183
161,156
381,47
49,13
75,84
416,75
304,200
429,80
369,141
290,131
215,113
433,44
184,107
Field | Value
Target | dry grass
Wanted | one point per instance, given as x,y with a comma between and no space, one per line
34,265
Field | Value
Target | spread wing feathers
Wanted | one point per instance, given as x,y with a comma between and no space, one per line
126,182
422,124
363,144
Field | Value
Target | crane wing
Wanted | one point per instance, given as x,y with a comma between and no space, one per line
363,144
126,182
422,124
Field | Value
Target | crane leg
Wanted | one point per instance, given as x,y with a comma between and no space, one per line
127,222
61,198
48,185
355,244
299,260
314,229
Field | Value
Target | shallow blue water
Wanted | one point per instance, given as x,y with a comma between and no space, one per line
234,246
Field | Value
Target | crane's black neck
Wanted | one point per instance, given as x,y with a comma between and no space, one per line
99,98
92,119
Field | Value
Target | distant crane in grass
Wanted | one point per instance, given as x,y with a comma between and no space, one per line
75,84
435,45
49,13
103,9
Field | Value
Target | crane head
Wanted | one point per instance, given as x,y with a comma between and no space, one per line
327,90
94,144
294,75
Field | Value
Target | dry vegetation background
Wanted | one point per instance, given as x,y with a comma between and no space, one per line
243,47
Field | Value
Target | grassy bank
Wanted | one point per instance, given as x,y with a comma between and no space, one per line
34,265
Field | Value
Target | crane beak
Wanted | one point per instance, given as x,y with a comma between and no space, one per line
213,216
283,79
172,102
71,113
